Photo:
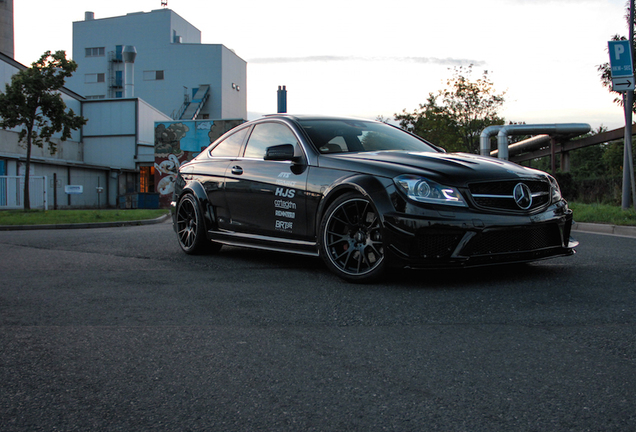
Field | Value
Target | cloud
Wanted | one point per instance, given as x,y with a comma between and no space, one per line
328,59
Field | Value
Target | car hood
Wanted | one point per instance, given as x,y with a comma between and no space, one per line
458,168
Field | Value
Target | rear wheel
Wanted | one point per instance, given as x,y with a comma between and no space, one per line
191,228
351,239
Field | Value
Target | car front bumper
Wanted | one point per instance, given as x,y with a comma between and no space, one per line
466,238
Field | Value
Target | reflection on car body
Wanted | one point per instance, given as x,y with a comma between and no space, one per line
365,195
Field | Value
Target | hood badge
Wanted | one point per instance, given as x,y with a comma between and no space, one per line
522,196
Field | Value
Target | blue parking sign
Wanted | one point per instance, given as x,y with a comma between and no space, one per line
621,59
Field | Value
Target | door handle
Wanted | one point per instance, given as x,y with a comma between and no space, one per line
237,170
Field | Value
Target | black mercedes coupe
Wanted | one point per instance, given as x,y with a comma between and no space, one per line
364,195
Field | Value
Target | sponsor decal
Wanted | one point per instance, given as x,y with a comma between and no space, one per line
283,208
284,225
287,205
285,193
286,214
289,183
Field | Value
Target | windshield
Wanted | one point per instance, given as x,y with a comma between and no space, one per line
342,136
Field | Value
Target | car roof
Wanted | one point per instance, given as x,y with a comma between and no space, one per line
314,117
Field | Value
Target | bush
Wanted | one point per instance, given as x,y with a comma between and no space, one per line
569,188
601,190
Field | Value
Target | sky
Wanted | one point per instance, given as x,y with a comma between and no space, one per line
367,58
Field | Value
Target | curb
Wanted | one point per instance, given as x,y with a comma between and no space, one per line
158,220
595,228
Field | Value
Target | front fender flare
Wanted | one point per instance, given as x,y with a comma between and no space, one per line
377,189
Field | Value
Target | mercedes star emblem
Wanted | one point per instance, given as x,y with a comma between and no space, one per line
523,196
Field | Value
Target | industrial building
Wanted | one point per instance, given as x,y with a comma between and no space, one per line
173,70
139,78
110,157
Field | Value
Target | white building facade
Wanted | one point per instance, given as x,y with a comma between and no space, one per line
171,69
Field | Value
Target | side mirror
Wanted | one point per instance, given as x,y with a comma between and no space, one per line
282,152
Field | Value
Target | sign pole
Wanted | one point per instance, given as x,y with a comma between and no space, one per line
628,102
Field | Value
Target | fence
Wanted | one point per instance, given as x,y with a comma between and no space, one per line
12,192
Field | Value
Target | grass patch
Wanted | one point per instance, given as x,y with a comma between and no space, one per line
594,213
56,217
603,213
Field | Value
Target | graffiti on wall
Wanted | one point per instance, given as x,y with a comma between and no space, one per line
178,142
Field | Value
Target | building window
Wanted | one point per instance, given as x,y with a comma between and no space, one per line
95,52
95,97
94,78
147,179
153,75
119,95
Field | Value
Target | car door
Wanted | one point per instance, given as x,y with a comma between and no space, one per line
210,171
267,197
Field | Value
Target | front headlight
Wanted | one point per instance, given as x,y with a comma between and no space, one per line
555,190
427,191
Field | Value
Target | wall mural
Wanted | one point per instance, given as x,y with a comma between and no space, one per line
178,142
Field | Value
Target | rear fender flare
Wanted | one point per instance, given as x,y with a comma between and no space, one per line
198,191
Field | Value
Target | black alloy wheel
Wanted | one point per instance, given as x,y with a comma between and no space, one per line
191,229
351,239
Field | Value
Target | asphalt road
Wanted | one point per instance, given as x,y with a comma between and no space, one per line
117,329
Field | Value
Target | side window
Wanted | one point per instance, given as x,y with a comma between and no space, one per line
266,135
230,146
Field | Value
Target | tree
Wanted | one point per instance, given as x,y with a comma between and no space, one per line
33,101
467,107
432,122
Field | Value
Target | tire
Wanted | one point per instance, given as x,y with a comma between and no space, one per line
191,230
351,239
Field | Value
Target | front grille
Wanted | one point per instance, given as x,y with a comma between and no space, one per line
499,195
436,243
516,240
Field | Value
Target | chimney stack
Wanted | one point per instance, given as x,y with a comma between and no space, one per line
129,53
282,99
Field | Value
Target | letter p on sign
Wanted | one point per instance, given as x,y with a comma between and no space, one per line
618,50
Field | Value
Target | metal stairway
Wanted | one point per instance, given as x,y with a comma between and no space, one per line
190,110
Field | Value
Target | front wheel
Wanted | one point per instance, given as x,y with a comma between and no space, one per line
191,228
351,239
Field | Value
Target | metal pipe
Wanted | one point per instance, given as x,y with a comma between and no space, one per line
484,138
536,129
529,144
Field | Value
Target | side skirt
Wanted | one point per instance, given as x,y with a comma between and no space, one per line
263,242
